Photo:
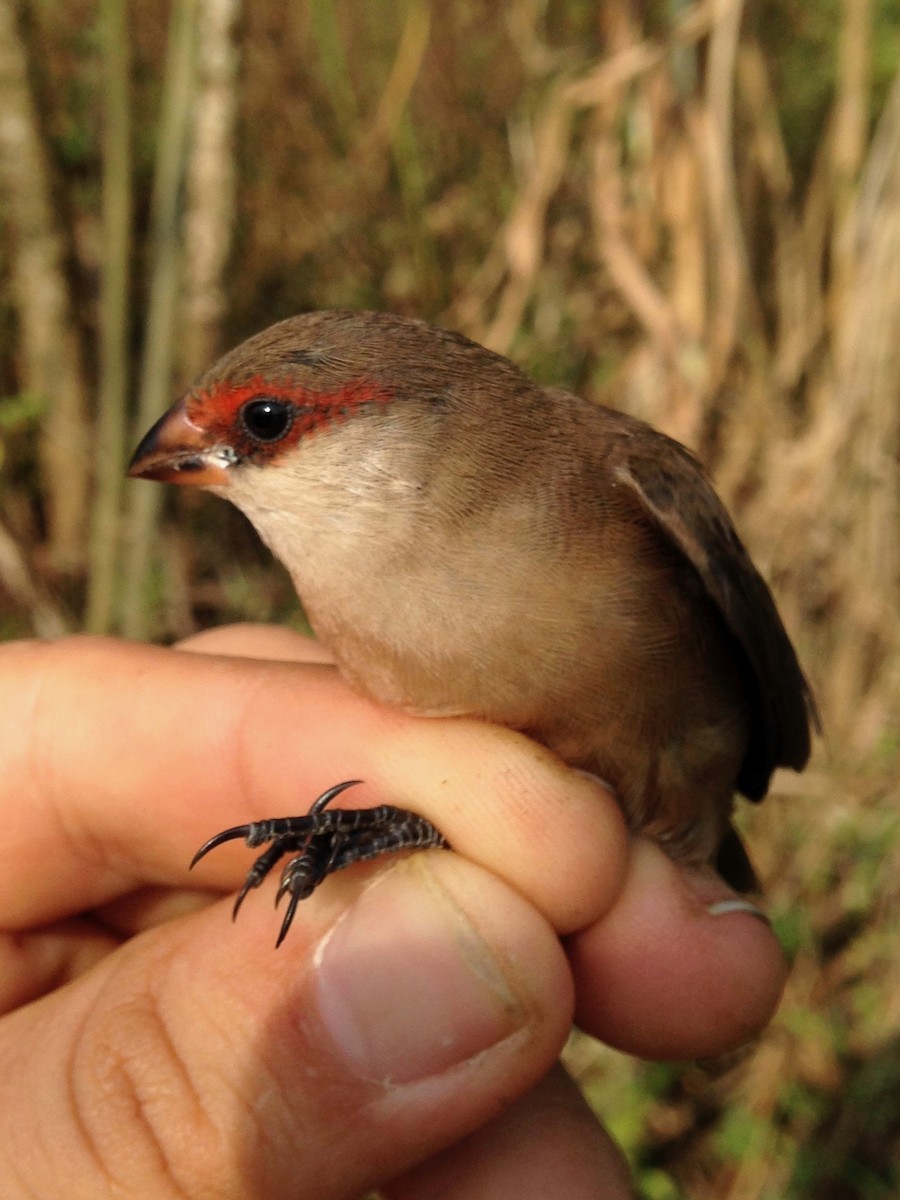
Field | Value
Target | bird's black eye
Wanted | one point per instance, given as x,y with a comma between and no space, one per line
267,419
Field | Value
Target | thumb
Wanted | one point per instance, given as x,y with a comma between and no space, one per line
197,1060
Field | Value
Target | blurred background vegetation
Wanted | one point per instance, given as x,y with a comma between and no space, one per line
688,210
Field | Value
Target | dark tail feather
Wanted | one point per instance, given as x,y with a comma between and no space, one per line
734,865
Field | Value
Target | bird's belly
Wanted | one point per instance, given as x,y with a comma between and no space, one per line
662,718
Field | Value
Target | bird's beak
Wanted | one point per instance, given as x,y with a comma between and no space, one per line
177,451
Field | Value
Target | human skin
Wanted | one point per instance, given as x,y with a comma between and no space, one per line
406,1034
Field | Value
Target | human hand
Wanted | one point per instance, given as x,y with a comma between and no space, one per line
406,1030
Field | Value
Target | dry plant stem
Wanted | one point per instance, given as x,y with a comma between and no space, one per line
359,177
848,136
629,274
110,427
671,320
211,184
798,308
404,72
517,252
727,256
524,231
326,34
158,359
47,340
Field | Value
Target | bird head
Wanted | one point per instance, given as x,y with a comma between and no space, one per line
333,433
259,403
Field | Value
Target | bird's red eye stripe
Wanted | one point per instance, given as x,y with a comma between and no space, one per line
218,408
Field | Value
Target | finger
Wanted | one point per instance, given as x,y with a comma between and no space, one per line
142,909
34,964
548,1143
127,757
247,640
670,973
198,1061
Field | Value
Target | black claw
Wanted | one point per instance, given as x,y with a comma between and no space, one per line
288,918
227,835
321,801
239,900
284,883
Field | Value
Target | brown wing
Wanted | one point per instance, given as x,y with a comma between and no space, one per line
674,492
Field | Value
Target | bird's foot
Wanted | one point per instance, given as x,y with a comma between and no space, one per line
325,840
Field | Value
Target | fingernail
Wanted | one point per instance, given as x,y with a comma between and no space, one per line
737,905
717,897
407,987
598,779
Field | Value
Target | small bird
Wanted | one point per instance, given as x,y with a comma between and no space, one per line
466,542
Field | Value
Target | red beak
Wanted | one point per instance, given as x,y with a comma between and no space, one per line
177,451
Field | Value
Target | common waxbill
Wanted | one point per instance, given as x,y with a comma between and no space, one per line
467,542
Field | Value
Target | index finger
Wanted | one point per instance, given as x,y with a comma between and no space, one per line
120,759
